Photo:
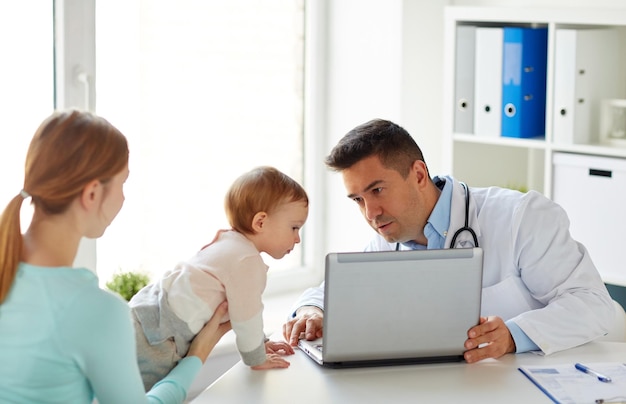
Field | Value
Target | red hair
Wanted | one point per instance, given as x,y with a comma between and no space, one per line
261,190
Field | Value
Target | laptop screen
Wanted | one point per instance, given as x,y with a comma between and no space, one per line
400,304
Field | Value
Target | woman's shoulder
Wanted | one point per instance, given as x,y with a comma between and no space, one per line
92,309
68,302
103,300
79,290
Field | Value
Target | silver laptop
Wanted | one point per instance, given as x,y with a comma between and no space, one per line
398,307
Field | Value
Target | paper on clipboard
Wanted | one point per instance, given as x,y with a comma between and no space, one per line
564,384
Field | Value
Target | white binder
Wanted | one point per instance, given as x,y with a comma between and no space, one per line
488,81
585,72
464,79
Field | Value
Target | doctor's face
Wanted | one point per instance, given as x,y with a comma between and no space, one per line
393,206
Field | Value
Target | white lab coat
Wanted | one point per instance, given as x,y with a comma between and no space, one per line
534,273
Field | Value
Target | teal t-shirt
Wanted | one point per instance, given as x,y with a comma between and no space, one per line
65,340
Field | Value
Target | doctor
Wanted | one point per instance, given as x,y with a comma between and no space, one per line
541,291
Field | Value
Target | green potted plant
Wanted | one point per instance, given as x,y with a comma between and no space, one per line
126,284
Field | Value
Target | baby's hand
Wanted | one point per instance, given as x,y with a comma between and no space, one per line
275,347
273,361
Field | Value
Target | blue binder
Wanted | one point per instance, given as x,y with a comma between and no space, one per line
524,64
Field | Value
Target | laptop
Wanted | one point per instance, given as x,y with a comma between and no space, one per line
398,307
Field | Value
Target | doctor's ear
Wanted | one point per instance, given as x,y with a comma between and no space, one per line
258,221
421,171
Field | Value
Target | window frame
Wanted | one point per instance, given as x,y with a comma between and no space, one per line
75,78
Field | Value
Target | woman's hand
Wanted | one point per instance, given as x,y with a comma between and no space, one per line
204,342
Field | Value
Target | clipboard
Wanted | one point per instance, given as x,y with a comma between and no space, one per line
564,384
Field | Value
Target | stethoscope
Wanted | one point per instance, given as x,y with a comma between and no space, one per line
464,228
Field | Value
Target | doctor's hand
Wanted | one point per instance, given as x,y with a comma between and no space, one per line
307,323
491,338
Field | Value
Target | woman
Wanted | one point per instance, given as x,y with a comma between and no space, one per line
62,338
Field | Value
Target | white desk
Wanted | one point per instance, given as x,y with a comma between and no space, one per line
489,381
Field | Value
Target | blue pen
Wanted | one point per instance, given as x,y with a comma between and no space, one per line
600,376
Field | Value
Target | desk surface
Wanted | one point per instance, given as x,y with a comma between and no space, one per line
489,381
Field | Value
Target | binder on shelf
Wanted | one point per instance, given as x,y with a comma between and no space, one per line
487,81
464,79
524,66
586,71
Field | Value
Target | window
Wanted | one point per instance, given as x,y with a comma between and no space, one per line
26,87
204,91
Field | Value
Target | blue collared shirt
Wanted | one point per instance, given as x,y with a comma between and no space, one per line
436,228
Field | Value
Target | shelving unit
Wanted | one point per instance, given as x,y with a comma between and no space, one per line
530,163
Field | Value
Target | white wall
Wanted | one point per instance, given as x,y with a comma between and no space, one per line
385,61
364,82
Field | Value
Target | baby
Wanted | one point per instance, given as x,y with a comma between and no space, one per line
266,210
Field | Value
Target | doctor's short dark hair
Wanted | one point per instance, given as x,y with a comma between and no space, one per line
393,145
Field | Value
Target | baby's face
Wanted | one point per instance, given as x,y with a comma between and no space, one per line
283,228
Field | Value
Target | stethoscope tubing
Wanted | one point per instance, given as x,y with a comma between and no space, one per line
466,227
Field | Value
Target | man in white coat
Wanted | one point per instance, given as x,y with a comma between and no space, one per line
541,290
